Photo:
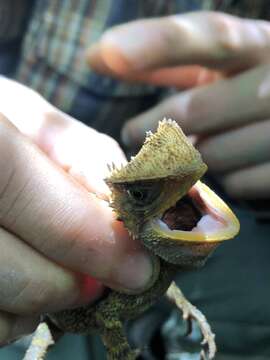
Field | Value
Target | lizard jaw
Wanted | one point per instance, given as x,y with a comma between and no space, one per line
190,249
217,222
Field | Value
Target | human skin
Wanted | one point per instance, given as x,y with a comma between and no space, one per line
221,64
56,230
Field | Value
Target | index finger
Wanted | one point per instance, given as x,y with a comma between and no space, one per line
215,40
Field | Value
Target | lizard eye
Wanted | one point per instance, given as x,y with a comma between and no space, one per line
143,195
139,195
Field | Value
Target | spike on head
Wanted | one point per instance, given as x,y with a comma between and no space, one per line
167,153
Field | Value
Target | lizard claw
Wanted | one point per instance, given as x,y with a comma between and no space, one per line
203,355
190,312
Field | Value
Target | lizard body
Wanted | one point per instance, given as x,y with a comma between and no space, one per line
163,204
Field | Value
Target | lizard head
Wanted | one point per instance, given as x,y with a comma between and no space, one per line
161,201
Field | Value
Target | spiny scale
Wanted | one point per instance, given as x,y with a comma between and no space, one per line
165,153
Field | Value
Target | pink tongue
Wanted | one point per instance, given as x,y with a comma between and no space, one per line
208,224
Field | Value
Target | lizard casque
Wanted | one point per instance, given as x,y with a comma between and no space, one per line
162,203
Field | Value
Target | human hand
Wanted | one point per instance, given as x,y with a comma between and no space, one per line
224,63
54,230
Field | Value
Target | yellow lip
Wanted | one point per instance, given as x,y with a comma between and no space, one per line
227,223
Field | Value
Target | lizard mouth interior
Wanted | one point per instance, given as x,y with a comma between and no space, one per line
198,216
184,215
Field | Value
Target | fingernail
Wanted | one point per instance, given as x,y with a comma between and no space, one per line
136,273
95,60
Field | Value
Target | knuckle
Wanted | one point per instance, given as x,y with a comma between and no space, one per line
168,36
229,41
226,28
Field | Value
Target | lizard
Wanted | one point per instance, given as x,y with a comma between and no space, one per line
160,199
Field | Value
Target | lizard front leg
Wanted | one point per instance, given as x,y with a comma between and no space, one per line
41,341
45,336
191,312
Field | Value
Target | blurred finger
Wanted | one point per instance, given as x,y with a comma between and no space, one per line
13,326
48,209
66,141
250,183
213,108
235,149
181,77
209,39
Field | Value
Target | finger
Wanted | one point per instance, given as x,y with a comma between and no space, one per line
66,141
209,39
250,183
81,151
58,217
223,105
13,326
32,284
181,77
236,149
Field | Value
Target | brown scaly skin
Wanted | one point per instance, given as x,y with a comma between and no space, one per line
108,315
147,188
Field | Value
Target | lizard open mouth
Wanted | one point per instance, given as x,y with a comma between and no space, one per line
188,232
199,216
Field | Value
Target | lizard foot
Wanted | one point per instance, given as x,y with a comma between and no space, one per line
43,338
41,341
190,312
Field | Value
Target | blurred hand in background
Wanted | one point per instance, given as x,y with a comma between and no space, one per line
221,64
